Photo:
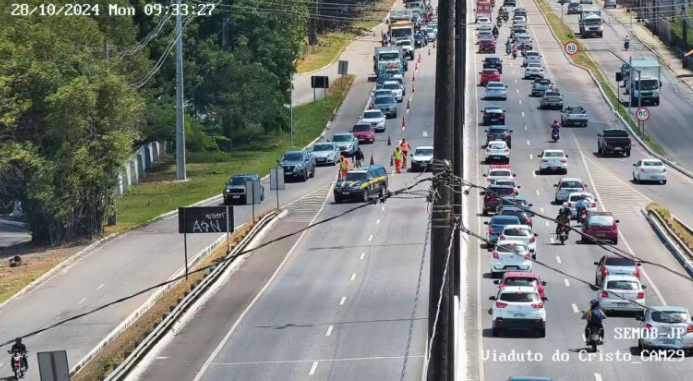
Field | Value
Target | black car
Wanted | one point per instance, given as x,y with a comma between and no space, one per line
574,8
493,62
524,216
387,105
362,184
499,133
509,3
420,40
298,164
235,189
493,114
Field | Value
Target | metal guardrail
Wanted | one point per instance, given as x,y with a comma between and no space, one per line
162,328
682,253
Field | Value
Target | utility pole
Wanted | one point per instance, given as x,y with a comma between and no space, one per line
291,110
180,116
441,359
458,132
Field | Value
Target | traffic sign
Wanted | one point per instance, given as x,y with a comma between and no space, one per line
571,47
642,114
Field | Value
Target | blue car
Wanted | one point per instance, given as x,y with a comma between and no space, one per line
496,225
299,164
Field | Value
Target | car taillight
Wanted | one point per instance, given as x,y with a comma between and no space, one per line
605,272
636,273
538,305
528,254
642,169
605,294
515,192
641,295
488,150
690,329
533,239
495,255
569,204
501,304
502,237
594,204
490,229
564,161
647,327
506,150
528,221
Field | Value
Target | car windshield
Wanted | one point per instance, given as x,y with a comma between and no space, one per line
615,133
593,22
502,191
392,86
520,282
356,176
518,232
424,151
576,197
513,212
388,56
532,54
652,164
515,248
504,182
669,317
519,297
624,262
553,154
239,180
495,86
384,100
372,114
362,128
571,184
647,84
341,138
600,220
293,156
497,130
404,43
490,71
534,65
493,109
624,285
496,145
323,147
500,172
542,82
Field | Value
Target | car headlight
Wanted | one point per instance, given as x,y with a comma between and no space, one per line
299,166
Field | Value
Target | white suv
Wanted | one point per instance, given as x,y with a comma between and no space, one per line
522,233
554,160
518,308
510,256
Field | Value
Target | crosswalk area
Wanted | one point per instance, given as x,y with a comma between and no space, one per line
306,207
615,195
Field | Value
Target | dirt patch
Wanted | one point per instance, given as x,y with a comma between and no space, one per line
36,261
116,352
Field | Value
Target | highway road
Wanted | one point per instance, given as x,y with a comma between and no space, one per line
609,179
147,256
669,124
340,306
11,235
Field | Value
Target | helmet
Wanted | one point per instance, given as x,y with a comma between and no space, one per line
18,340
555,121
594,303
565,210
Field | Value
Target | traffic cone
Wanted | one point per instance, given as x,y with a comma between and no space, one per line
413,76
408,103
434,44
419,57
372,160
404,123
413,88
429,51
389,142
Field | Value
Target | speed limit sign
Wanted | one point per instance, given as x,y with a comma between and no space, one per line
571,47
642,114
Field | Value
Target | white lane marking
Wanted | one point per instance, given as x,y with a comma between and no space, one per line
552,241
377,221
407,113
342,301
537,192
584,340
541,209
329,330
558,259
82,301
598,377
313,368
515,80
362,255
1,365
404,127
567,282
382,209
425,133
525,126
162,357
370,237
517,90
575,308
523,115
528,143
98,288
520,101
531,157
353,276
547,223
534,174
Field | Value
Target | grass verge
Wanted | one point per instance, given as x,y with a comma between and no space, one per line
674,225
582,58
120,348
158,193
331,44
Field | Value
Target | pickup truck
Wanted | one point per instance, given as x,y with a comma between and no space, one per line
574,116
613,140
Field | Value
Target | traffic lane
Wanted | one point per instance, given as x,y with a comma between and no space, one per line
670,119
12,235
315,291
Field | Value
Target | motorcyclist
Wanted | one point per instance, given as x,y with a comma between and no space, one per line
555,127
514,51
495,32
508,46
563,218
595,318
626,42
581,205
19,347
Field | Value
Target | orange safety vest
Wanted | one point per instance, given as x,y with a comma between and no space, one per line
405,147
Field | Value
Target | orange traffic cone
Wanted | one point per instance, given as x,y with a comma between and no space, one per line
434,44
419,57
389,142
372,160
404,123
413,88
408,103
429,51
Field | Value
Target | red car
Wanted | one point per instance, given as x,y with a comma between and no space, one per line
364,132
492,197
602,226
487,47
488,75
520,279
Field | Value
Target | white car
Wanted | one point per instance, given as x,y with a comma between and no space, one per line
666,327
553,160
519,21
510,256
498,172
497,150
484,23
649,170
407,48
618,291
520,233
573,199
566,186
422,158
534,70
396,88
518,308
375,117
326,153
531,56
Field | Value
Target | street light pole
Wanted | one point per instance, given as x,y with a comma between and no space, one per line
180,115
291,111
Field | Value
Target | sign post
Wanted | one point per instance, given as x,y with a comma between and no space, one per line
53,366
204,219
343,70
642,114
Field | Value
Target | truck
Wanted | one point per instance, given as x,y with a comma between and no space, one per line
590,21
483,8
642,80
388,61
402,30
613,140
400,15
574,116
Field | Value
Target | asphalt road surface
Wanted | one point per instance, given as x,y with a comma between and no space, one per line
609,179
12,235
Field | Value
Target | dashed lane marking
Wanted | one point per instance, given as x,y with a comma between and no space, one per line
313,368
329,330
558,259
342,301
575,308
566,282
353,276
305,208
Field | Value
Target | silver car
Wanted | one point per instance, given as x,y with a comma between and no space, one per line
566,186
496,90
347,142
622,293
666,327
376,118
573,198
326,153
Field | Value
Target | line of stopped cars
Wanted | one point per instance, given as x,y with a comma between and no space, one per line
513,244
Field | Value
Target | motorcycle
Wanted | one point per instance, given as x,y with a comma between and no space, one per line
507,50
595,338
555,135
499,23
581,215
563,234
514,54
17,364
626,45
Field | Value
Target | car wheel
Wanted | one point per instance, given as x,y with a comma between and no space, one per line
312,173
627,153
364,195
541,332
495,332
634,179
337,199
615,241
664,182
305,175
600,151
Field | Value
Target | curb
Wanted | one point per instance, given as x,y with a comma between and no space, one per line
13,223
664,235
613,109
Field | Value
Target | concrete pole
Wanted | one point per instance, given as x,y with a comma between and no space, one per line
181,173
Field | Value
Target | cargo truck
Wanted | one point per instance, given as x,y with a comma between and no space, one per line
402,30
388,61
590,21
642,80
